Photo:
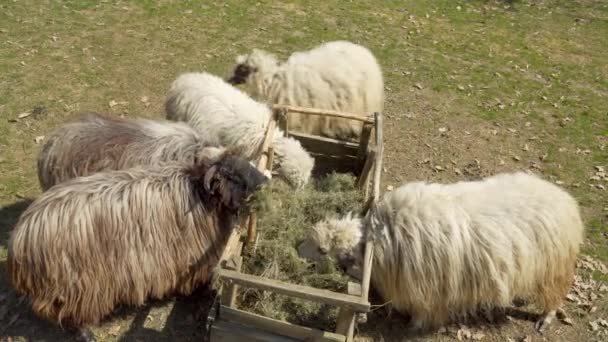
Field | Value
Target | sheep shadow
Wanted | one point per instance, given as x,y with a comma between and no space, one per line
385,324
9,215
186,320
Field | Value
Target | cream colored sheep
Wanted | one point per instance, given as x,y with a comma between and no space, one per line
444,252
337,75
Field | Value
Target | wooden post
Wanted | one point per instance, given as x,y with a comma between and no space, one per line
346,317
262,166
366,133
363,181
369,251
324,112
230,290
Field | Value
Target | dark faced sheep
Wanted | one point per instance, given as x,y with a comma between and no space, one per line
97,142
120,237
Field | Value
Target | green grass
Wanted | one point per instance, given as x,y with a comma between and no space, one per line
482,65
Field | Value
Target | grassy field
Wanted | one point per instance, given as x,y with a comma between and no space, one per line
473,88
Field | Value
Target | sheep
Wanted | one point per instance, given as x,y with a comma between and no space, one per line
445,252
337,75
217,109
120,237
98,142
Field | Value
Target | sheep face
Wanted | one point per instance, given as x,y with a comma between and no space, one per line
341,239
255,67
231,179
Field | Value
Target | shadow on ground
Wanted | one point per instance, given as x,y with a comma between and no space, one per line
174,319
9,214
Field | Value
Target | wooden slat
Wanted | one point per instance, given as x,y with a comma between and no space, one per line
323,112
366,133
225,331
363,181
369,251
262,165
346,318
229,291
299,291
328,146
281,328
232,247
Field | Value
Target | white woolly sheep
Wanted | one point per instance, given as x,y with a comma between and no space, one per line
337,75
97,142
218,110
120,237
445,252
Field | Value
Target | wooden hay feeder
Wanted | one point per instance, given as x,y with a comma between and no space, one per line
227,323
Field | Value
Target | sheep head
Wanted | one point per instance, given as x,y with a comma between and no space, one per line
229,179
341,239
256,68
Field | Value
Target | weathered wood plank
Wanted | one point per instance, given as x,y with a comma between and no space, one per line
346,317
229,291
328,146
363,181
366,133
225,331
369,249
324,112
267,154
280,328
299,291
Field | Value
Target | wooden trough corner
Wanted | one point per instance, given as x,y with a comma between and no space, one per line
226,321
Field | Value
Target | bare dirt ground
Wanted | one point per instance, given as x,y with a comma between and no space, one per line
473,88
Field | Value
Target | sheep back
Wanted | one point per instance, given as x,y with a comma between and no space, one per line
97,142
216,109
337,75
445,251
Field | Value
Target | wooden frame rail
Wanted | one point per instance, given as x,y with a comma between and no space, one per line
299,291
352,303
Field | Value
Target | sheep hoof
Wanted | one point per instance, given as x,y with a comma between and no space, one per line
545,321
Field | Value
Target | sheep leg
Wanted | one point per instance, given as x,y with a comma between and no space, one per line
545,320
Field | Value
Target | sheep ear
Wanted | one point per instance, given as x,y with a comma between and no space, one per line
241,59
209,175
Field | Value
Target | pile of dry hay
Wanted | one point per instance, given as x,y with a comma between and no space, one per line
284,217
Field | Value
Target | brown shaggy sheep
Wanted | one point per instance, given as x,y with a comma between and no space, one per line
120,237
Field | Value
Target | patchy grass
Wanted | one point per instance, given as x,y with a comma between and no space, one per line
516,85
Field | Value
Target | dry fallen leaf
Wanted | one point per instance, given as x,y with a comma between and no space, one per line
512,130
602,322
516,158
389,188
23,115
443,129
418,86
113,103
567,321
527,339
39,139
594,326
